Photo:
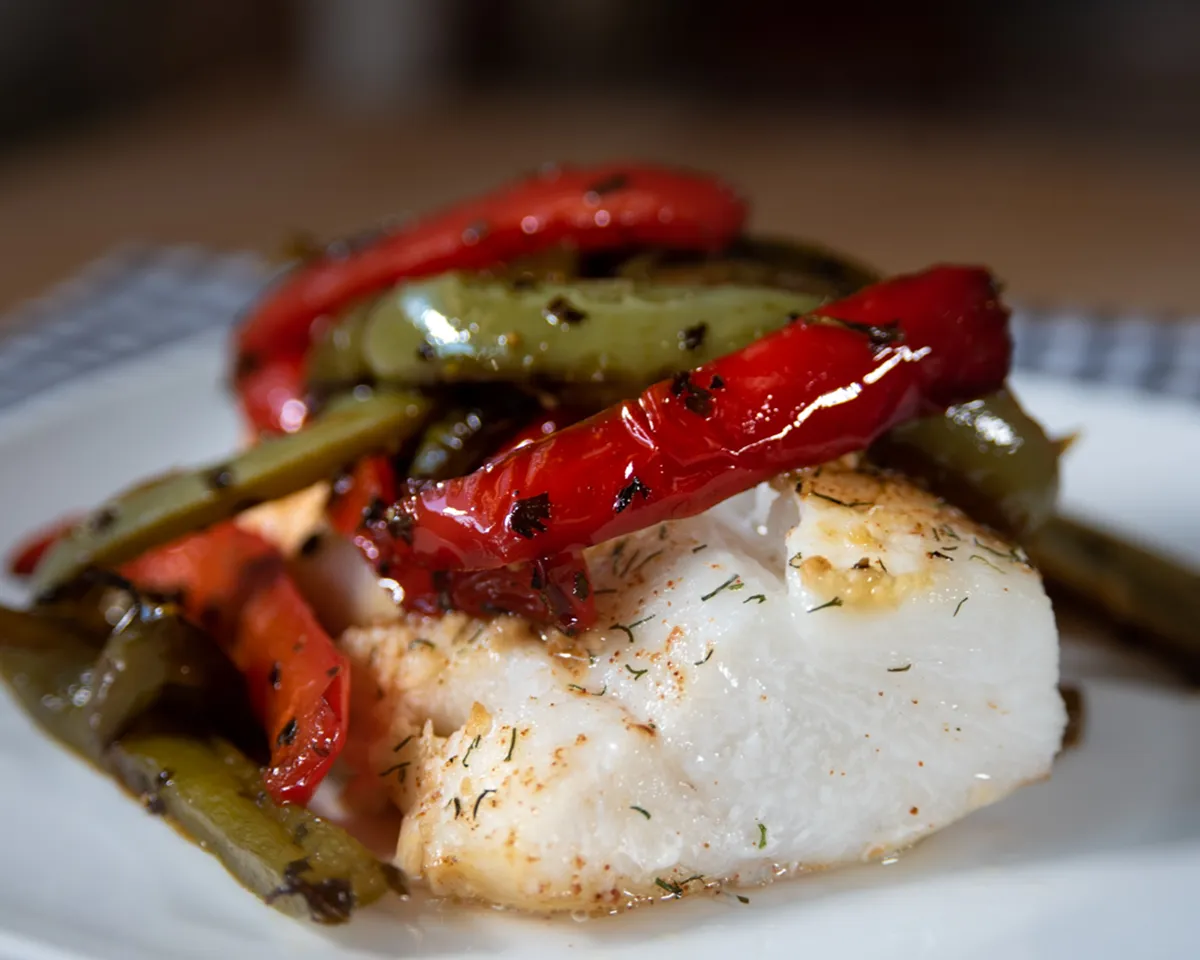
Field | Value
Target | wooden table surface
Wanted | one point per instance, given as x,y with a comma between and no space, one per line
1063,218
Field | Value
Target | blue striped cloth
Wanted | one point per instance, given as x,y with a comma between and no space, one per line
139,298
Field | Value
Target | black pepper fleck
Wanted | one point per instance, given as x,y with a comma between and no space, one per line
527,518
220,477
626,494
617,181
692,338
561,310
287,735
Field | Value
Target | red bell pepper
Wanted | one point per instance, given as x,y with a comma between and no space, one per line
591,208
29,552
234,584
824,386
554,590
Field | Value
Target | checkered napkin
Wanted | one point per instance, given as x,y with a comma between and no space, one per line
139,298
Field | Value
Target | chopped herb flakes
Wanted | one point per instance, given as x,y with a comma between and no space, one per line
398,768
645,813
637,674
795,560
756,598
473,745
645,560
903,669
512,743
627,628
960,605
762,836
478,801
692,338
733,583
676,889
835,602
578,689
527,518
983,559
403,743
707,657
843,503
702,546
625,495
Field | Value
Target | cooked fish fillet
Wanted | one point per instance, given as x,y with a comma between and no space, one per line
821,671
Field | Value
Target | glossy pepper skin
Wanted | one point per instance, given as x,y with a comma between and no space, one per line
234,584
591,208
827,385
551,590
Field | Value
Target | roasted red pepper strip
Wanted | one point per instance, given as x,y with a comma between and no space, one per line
24,560
272,392
820,388
234,584
555,590
592,208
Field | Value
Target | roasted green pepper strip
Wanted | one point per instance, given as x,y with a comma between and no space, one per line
988,456
295,861
461,328
188,501
462,438
756,262
47,666
1154,594
299,862
87,700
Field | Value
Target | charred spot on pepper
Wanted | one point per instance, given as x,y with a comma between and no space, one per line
399,524
618,181
695,397
342,484
692,338
246,364
103,518
373,512
426,351
581,587
475,232
219,478
528,517
717,382
287,735
626,494
878,335
274,675
561,310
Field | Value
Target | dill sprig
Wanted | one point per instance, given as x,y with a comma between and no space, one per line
835,602
733,583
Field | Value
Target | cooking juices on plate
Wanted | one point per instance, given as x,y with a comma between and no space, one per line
623,550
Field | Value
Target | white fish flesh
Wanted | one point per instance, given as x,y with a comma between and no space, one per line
821,671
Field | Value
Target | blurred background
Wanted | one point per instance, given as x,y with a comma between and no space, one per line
1057,141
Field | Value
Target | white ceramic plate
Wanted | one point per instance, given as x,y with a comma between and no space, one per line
1102,861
